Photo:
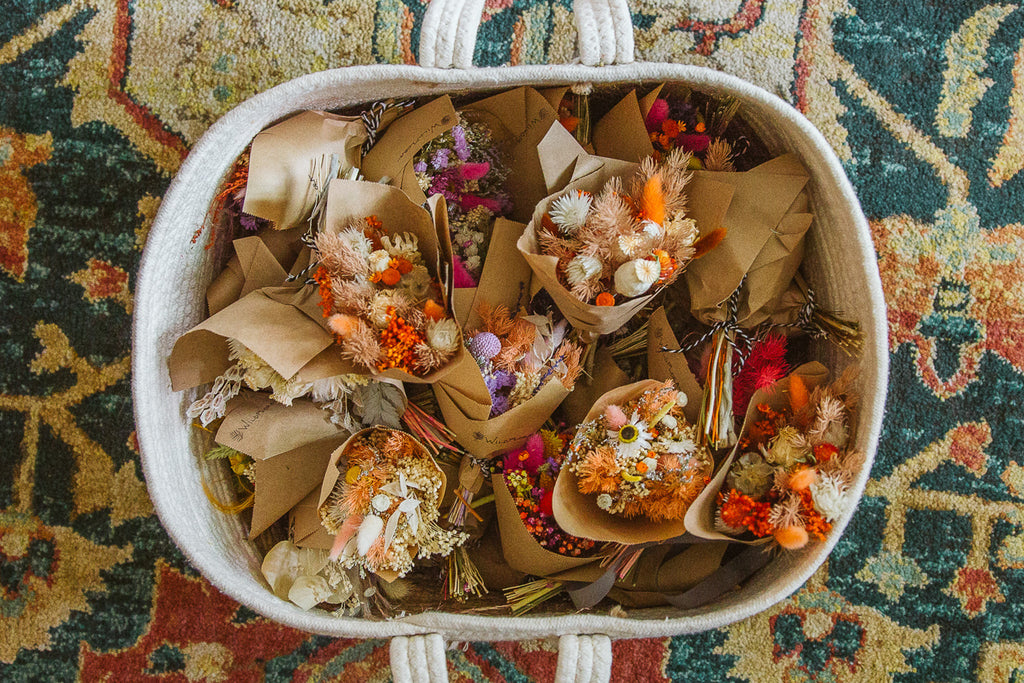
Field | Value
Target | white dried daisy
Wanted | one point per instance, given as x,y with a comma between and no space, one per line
569,212
631,440
581,268
631,246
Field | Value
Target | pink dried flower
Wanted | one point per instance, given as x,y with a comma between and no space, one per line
614,416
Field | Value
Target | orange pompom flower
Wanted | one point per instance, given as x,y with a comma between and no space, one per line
802,479
433,310
791,537
390,277
605,299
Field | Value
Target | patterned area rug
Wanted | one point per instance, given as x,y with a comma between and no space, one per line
100,101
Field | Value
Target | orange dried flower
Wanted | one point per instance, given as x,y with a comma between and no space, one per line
604,299
700,127
824,452
739,510
390,277
433,310
398,343
323,279
670,128
791,537
404,266
802,479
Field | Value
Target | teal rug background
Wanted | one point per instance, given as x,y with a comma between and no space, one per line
924,103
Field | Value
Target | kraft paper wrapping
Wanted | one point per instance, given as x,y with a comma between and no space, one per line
518,120
282,156
565,160
491,436
621,133
766,223
662,365
522,551
700,518
504,279
262,260
279,324
393,154
578,513
304,527
290,447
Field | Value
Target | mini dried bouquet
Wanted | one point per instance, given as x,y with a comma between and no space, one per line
618,245
530,474
465,166
792,480
639,456
517,356
383,509
380,300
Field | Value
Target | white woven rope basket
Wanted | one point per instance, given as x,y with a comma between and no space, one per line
174,275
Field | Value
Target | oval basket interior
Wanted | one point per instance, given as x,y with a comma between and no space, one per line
175,272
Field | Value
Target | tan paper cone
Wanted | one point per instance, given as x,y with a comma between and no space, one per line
278,187
518,119
392,155
700,518
579,514
662,366
290,446
521,549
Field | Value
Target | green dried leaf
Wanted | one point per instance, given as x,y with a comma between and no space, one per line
379,403
218,452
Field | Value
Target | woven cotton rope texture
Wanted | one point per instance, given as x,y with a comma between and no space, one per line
172,271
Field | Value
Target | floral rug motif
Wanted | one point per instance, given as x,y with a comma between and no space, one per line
100,101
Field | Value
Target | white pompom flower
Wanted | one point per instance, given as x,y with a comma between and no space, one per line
831,497
635,277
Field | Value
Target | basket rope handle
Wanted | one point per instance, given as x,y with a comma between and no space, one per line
418,659
604,31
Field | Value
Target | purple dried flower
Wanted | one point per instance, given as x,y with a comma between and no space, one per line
499,405
440,158
484,346
420,166
461,148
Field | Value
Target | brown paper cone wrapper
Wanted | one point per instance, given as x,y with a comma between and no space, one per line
278,187
622,133
579,514
700,518
304,527
392,155
487,437
662,365
275,323
290,447
766,223
521,549
259,261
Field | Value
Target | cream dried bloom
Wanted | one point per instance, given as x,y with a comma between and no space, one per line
443,335
582,268
569,212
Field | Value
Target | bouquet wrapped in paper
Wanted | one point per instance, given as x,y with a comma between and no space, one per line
787,478
633,467
378,258
525,365
616,235
532,542
380,499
